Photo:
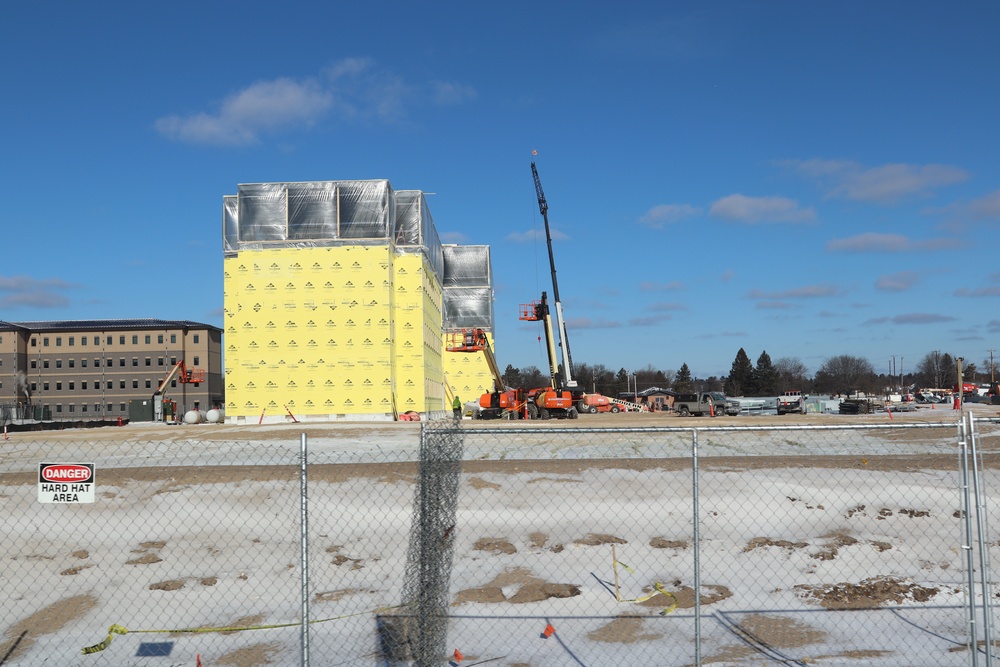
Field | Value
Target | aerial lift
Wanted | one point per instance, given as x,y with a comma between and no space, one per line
502,402
564,387
184,375
556,400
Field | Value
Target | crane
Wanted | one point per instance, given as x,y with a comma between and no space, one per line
564,379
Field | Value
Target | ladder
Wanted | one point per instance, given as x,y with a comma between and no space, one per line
629,405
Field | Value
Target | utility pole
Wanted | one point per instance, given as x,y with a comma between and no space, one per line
960,398
992,368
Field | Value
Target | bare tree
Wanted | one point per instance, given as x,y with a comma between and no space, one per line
845,374
792,374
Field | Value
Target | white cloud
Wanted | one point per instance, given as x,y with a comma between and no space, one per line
587,323
740,208
536,235
33,292
264,105
806,292
992,290
648,321
454,237
897,282
912,318
351,88
672,286
921,318
665,306
874,242
984,208
667,214
447,93
886,184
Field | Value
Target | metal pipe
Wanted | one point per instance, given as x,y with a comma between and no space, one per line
984,553
304,544
973,645
696,549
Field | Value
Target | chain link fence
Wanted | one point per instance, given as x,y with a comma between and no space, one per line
513,545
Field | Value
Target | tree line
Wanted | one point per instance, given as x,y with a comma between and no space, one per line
842,374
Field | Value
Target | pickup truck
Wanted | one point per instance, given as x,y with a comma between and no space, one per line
704,403
791,402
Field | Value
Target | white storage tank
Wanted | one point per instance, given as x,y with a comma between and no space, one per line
214,416
192,417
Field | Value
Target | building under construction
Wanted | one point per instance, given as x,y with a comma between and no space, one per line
339,298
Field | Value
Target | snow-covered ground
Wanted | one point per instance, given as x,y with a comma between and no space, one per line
588,532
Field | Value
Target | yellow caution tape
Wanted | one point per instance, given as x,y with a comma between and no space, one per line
658,589
112,631
116,629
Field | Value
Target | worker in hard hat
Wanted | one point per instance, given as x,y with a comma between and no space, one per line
456,407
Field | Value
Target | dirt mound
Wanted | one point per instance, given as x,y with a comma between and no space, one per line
874,592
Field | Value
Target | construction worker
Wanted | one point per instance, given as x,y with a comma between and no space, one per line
456,407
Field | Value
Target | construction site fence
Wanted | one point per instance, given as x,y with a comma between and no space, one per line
514,545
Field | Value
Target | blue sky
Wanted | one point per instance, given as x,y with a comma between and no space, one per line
806,178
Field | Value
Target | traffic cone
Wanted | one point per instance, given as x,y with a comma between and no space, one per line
457,657
548,631
198,664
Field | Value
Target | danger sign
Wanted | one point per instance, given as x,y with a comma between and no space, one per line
66,483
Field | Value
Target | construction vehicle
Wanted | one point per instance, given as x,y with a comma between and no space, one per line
556,400
564,398
594,403
184,375
702,403
501,403
791,402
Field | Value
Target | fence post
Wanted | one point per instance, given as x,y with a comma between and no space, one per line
304,543
696,548
973,645
982,542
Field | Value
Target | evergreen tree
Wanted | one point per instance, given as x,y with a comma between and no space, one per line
740,375
512,377
765,376
622,381
682,381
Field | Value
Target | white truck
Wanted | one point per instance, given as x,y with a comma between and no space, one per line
791,402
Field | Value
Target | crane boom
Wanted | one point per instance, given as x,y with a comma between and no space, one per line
567,359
